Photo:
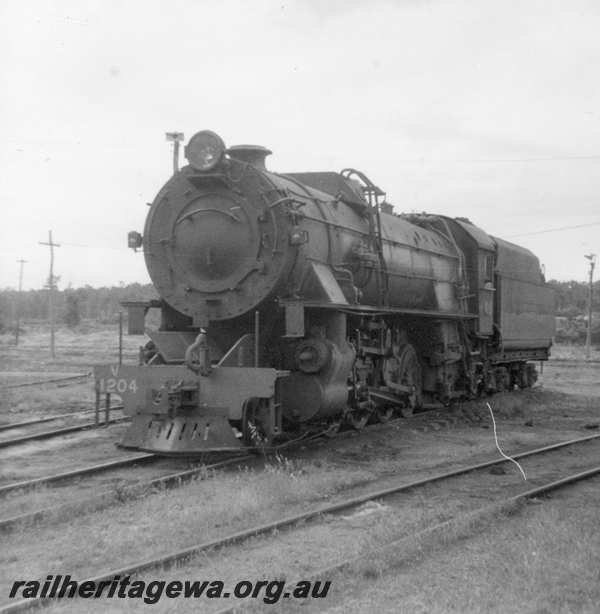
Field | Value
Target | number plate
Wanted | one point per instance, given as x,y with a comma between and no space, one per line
117,385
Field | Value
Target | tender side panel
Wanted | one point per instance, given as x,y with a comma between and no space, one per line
525,304
526,314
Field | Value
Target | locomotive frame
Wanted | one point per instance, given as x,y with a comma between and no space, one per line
296,302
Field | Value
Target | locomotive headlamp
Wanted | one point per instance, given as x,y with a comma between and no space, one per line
205,150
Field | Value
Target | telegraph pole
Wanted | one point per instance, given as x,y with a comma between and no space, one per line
51,287
588,338
21,263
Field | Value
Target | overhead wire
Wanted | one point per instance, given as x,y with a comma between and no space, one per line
561,228
522,234
573,158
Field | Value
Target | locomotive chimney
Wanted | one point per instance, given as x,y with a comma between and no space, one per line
250,154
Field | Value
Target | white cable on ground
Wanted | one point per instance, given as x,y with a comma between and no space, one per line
512,460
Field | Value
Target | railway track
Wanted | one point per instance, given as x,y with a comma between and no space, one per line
65,430
57,380
28,423
109,496
76,473
179,556
407,544
575,362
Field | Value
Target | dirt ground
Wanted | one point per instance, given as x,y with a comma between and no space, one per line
77,351
544,559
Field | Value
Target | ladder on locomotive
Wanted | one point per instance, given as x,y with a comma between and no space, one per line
375,196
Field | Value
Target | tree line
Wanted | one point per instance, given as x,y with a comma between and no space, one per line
103,304
71,304
572,297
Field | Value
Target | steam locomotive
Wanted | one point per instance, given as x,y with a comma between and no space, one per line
300,301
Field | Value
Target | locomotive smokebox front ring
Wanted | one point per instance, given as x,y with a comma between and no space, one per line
211,250
197,251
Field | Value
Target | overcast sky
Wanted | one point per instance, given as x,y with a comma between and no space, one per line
488,110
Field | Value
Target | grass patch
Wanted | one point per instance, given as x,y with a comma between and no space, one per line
77,349
563,351
173,519
542,559
37,401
